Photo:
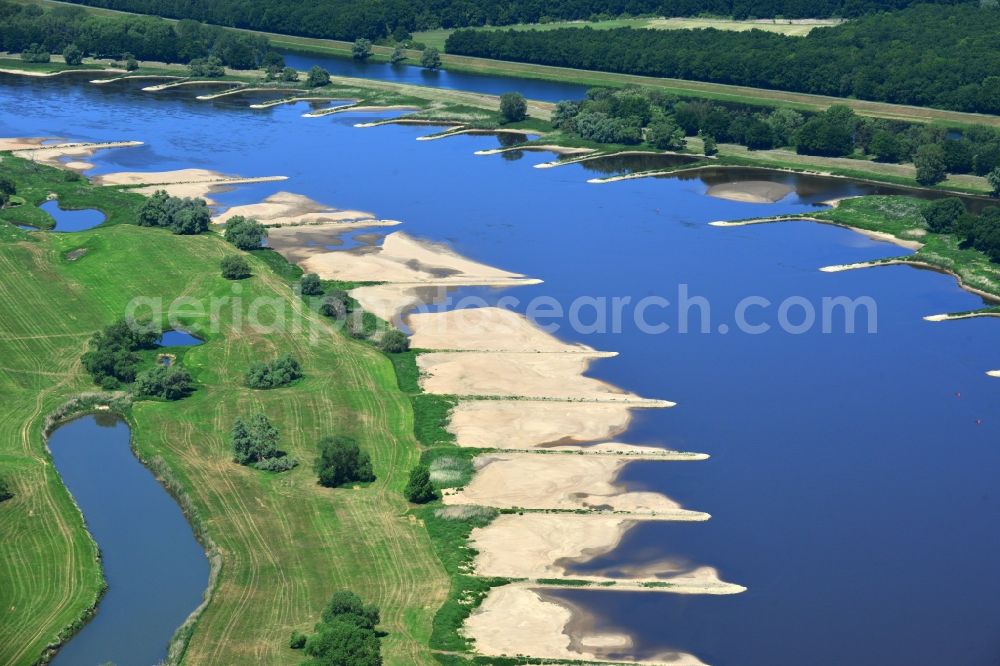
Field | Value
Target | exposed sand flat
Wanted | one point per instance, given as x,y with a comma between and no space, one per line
750,191
839,268
874,235
551,148
528,375
20,143
402,258
484,329
286,208
52,154
179,84
962,315
518,620
135,76
158,177
529,423
561,482
544,545
39,74
993,373
296,243
389,301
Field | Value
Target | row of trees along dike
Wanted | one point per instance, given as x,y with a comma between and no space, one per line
396,19
927,55
635,115
38,32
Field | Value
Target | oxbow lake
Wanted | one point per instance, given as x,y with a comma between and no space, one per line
852,483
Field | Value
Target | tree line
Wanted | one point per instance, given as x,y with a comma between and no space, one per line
29,28
350,19
635,115
927,55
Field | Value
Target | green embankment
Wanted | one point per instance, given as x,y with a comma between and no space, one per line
285,542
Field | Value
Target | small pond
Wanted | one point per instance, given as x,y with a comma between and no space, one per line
72,220
175,338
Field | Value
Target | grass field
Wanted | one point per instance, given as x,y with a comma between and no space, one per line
795,28
285,542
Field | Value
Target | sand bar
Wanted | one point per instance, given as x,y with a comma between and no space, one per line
40,74
518,620
286,208
537,147
529,375
194,183
750,191
545,545
561,482
484,329
961,315
874,235
993,373
286,100
402,258
179,84
20,143
52,154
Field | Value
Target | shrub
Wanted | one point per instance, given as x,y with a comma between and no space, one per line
317,78
161,382
513,107
310,285
35,53
279,372
245,233
297,641
7,189
253,440
419,488
943,214
210,67
345,634
278,464
336,304
111,359
73,55
394,341
361,49
5,492
398,55
342,461
235,268
430,58
182,216
131,64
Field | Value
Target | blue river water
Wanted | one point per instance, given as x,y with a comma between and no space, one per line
852,483
155,570
547,91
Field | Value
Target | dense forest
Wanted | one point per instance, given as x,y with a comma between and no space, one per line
926,55
350,19
145,37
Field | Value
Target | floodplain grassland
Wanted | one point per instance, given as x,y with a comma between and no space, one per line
285,543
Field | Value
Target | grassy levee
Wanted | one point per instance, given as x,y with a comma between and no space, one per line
680,87
285,542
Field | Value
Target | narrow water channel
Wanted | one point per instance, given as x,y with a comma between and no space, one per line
155,569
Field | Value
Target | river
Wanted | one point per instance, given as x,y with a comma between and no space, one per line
852,483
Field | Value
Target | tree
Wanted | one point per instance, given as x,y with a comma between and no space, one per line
111,359
310,285
280,372
759,136
430,58
35,53
342,461
162,382
253,440
72,54
665,134
209,68
336,304
419,488
887,146
273,59
398,55
5,492
344,604
7,189
513,107
131,64
929,160
394,341
289,74
993,178
564,113
943,214
245,233
342,643
235,267
710,148
318,77
361,49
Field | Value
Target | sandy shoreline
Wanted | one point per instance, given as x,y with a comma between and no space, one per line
518,620
750,191
52,154
289,209
484,329
565,483
194,183
874,235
